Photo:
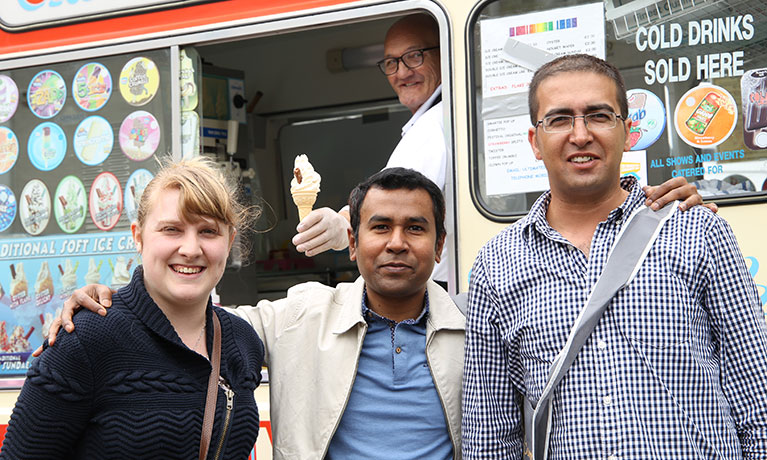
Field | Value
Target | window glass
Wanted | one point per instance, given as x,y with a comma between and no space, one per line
696,80
78,144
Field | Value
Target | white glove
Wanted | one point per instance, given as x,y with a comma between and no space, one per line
321,230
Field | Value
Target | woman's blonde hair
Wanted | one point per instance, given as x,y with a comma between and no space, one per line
205,191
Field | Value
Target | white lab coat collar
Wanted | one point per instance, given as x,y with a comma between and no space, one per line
422,109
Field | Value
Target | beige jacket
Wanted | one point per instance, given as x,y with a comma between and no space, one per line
313,340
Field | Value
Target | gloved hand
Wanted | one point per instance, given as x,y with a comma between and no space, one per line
321,230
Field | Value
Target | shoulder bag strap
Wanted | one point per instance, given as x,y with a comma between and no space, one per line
631,246
210,402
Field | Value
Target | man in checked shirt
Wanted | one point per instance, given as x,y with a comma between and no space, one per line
676,368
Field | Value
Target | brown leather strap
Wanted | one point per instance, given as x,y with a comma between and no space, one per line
210,402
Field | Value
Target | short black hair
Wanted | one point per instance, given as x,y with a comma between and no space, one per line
576,63
396,179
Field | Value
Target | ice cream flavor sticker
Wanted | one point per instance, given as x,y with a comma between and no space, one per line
9,98
134,188
68,278
189,97
648,117
7,207
19,288
9,149
92,86
705,116
190,134
47,94
47,146
43,285
69,204
93,275
120,271
139,135
106,201
35,207
139,81
93,140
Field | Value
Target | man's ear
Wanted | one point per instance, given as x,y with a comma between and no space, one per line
532,138
438,248
627,129
352,245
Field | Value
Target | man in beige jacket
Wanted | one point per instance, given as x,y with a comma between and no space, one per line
370,369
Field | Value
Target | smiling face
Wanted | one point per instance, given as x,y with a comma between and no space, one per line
397,245
182,260
583,163
414,86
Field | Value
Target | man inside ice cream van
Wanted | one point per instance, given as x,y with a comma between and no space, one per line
411,63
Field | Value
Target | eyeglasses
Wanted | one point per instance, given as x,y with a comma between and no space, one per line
565,123
411,59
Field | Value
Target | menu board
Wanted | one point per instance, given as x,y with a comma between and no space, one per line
79,142
512,49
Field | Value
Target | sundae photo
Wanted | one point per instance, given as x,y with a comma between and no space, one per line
19,288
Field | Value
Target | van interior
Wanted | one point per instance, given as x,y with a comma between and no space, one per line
316,91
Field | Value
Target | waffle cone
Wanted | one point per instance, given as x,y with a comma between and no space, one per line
304,201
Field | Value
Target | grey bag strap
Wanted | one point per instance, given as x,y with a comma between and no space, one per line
625,259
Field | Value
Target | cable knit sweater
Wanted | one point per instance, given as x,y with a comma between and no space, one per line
125,386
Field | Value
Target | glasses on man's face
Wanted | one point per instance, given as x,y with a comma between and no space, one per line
411,59
565,123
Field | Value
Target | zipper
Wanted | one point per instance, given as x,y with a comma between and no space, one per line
441,399
229,393
349,393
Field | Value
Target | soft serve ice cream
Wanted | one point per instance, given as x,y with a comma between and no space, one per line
121,272
68,277
304,186
43,285
93,276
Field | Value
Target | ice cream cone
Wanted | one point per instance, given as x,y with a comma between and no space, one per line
304,201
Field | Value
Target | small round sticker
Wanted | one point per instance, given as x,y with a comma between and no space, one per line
139,81
69,204
7,207
47,94
9,149
139,135
648,118
47,146
94,140
137,182
9,98
105,201
92,86
705,116
35,207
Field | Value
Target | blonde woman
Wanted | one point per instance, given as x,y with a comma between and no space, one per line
134,384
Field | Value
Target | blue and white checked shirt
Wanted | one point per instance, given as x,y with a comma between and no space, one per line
675,369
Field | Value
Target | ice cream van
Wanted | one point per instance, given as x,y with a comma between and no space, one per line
93,92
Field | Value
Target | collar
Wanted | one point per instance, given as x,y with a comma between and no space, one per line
443,314
536,218
423,108
136,298
369,314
